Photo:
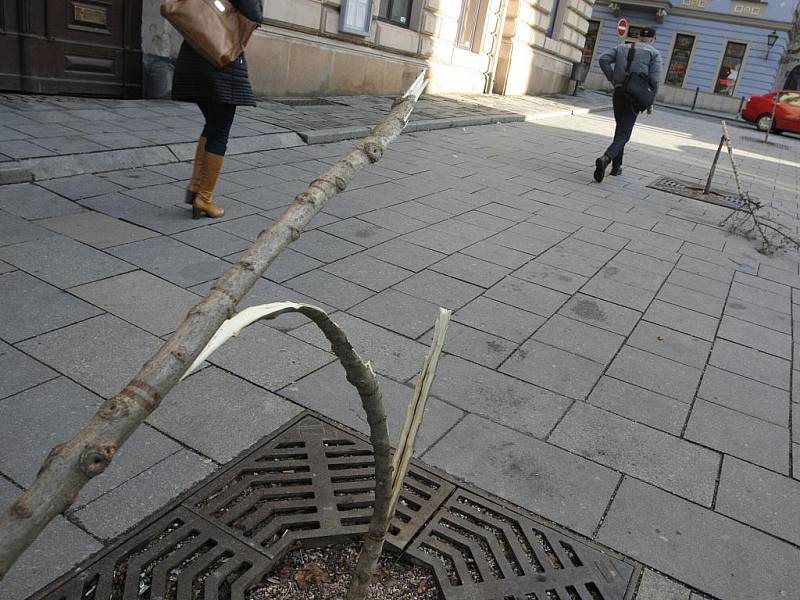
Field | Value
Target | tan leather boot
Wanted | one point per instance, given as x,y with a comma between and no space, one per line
204,201
194,184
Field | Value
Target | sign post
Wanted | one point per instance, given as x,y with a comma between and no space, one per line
622,28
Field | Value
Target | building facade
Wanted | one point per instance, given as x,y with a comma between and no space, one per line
717,51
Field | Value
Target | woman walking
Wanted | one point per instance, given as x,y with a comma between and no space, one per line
217,92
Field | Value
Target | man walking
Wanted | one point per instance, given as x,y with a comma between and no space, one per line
647,61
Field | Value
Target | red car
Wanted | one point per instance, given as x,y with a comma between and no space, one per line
758,110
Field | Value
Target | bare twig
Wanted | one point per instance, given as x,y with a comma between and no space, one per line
70,465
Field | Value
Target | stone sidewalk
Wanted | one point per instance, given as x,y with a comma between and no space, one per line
616,364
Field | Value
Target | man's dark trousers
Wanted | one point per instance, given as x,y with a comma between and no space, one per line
625,116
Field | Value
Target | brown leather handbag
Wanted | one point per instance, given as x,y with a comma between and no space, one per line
214,28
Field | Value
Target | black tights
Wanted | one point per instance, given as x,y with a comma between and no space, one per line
219,118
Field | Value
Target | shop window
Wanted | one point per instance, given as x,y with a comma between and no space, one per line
396,11
551,26
730,69
591,42
633,33
679,61
470,25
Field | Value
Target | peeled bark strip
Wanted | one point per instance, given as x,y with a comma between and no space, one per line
70,465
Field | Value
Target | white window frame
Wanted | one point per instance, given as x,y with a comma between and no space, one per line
675,35
724,47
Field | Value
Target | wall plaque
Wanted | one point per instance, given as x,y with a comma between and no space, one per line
355,17
747,9
90,15
695,4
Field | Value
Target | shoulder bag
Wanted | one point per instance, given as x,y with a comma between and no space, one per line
637,86
214,28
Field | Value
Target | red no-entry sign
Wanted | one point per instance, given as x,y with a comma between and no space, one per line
622,28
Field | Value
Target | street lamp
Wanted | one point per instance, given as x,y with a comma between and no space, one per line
772,39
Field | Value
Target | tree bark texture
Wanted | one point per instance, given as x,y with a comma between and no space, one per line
70,465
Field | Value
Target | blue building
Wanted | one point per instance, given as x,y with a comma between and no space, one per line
726,49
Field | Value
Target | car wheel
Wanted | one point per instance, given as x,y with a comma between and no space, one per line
764,123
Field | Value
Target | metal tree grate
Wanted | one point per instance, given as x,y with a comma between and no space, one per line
695,192
478,549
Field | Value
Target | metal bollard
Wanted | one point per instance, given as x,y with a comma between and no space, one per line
741,105
694,102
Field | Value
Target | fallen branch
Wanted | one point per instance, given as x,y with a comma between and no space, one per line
70,465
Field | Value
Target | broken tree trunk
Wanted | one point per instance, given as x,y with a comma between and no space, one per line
72,464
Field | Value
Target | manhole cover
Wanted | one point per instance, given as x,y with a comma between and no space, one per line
695,192
307,102
310,484
760,140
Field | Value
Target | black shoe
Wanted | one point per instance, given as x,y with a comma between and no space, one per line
601,164
616,171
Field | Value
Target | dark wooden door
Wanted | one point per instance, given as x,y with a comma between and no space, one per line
84,47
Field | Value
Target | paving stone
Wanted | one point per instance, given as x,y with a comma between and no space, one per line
552,277
758,315
489,222
471,269
640,405
599,238
534,232
682,319
191,414
405,254
674,536
329,288
60,546
497,254
22,149
762,297
324,246
167,220
499,319
527,296
553,369
62,262
328,392
751,363
519,243
399,312
136,178
142,299
745,395
619,293
567,259
393,221
89,352
475,345
779,275
760,498
671,344
654,586
14,230
651,455
754,336
96,229
360,232
120,509
741,435
31,307
649,264
247,227
438,240
269,358
33,202
706,269
78,187
647,238
762,284
699,283
691,299
20,372
439,289
172,260
579,338
367,271
213,240
655,373
546,480
6,268
600,313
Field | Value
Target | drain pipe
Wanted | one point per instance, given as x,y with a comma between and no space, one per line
498,43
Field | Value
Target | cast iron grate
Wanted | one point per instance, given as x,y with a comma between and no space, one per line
695,192
307,102
478,549
309,484
760,140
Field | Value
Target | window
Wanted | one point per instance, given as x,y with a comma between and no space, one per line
470,28
396,11
633,33
790,98
730,68
679,61
591,42
551,26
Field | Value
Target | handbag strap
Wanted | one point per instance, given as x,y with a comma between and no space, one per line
631,53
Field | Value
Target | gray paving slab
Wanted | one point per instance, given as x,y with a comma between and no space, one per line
89,352
329,288
756,337
699,283
31,307
671,344
324,246
78,187
600,313
552,277
166,220
192,413
247,227
171,260
393,220
762,297
5,267
654,586
96,229
579,338
614,291
360,232
740,435
673,535
328,392
527,296
676,465
759,315
22,149
499,319
751,363
60,546
398,312
682,319
438,240
33,202
745,395
123,507
691,299
759,498
405,254
475,345
62,262
640,405
779,275
214,241
762,284
440,289
471,269
20,371
268,357
537,476
367,271
655,373
600,238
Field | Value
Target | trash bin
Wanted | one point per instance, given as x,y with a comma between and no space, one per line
579,72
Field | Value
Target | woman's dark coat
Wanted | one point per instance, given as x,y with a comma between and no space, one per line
196,79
